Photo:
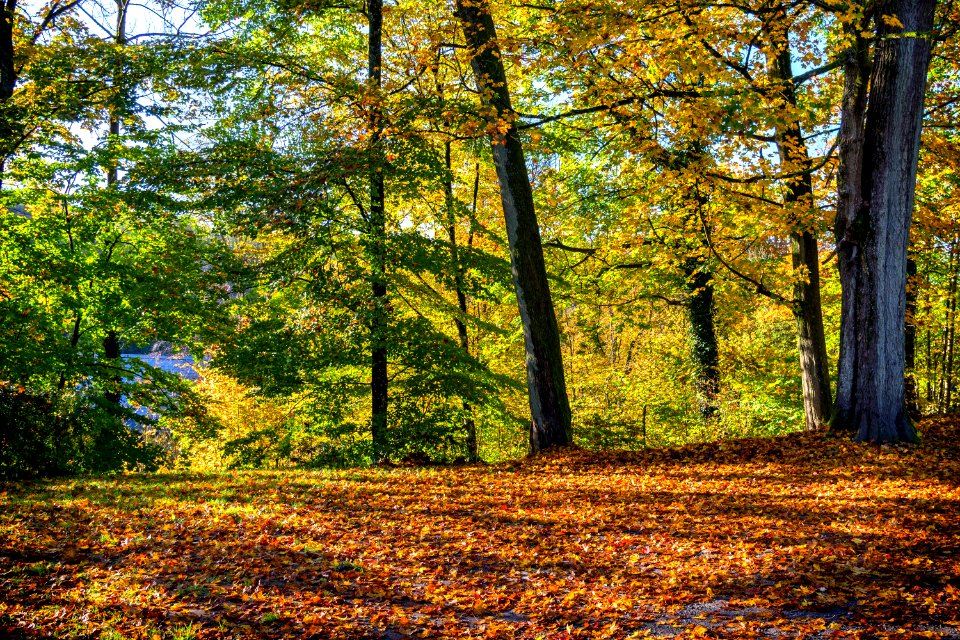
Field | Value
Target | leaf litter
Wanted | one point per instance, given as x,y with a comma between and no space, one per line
799,536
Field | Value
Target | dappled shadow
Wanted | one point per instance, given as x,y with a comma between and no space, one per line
863,538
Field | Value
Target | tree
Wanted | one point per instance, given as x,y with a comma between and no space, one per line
549,405
873,226
111,342
13,133
797,166
376,233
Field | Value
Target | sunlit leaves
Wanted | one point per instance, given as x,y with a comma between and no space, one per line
798,535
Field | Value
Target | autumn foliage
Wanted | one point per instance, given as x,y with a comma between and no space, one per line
799,536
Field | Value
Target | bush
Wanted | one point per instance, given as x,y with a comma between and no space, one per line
61,434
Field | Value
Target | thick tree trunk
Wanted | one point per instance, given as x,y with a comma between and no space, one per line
856,72
807,307
473,452
874,242
376,238
703,336
549,405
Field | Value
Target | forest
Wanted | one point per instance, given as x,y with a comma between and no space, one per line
479,318
423,233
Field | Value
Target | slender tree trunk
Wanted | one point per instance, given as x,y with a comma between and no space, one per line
473,452
874,241
111,344
8,82
8,71
807,307
74,341
950,336
703,336
111,350
376,237
811,338
120,39
643,426
549,405
911,391
947,321
943,378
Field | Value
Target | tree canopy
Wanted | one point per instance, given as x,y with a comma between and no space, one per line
409,231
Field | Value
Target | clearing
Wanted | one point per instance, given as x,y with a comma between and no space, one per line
798,536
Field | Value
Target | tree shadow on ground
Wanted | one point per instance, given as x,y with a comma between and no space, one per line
577,544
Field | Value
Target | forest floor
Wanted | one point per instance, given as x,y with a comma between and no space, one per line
794,537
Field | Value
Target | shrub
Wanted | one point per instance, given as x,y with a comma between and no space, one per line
59,434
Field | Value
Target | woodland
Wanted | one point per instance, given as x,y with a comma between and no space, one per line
412,232
547,319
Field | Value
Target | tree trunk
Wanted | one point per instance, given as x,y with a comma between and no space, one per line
120,38
111,349
703,336
473,453
911,391
8,71
874,242
549,405
111,345
949,336
74,341
376,237
807,307
856,71
811,338
944,353
8,82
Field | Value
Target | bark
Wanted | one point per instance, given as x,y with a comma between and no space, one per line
811,337
8,82
874,241
120,38
910,342
74,341
856,71
703,336
949,335
807,307
549,405
473,453
8,72
376,238
943,379
111,345
111,349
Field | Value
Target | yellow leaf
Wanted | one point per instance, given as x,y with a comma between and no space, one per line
892,21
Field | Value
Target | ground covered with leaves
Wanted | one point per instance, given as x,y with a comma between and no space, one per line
799,536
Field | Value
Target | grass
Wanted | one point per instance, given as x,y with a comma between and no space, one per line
798,536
